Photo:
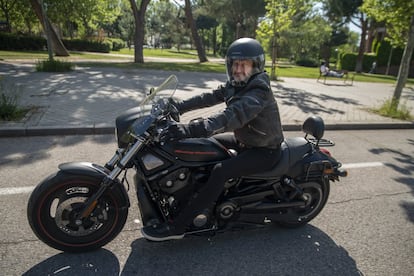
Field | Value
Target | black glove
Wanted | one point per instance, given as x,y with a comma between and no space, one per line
197,128
179,131
176,104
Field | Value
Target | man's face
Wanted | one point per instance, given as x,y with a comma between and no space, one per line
242,69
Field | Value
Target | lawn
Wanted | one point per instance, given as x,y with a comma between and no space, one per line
98,59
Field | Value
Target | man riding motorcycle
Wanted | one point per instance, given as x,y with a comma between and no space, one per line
252,124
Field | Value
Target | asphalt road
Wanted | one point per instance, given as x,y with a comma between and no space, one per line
365,229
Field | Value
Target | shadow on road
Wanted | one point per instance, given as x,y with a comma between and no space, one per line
101,262
405,167
309,102
266,251
25,150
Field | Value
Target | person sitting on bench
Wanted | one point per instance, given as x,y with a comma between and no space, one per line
325,71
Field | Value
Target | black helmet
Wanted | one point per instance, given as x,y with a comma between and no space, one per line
245,48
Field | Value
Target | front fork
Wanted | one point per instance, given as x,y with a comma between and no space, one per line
117,164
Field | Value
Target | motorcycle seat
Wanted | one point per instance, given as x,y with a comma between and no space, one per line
292,150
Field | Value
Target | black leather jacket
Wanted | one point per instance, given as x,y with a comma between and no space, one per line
251,112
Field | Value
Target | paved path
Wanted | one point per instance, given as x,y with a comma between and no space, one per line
87,100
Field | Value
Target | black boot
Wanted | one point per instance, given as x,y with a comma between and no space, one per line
162,232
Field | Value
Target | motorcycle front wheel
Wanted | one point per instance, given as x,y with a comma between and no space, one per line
53,207
316,195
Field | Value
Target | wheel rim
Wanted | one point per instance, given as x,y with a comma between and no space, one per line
58,209
67,212
313,195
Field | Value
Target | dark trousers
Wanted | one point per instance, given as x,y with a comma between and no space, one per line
247,162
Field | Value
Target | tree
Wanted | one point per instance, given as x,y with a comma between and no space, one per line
398,16
124,25
139,16
205,24
165,25
194,32
237,18
305,38
341,12
18,16
57,45
279,17
7,6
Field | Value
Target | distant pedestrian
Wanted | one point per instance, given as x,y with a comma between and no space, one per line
373,69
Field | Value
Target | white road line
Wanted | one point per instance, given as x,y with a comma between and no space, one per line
16,191
26,190
362,165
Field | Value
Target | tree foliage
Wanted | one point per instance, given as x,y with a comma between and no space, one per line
280,14
237,18
297,31
341,12
398,16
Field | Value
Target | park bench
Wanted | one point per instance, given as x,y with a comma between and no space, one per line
348,80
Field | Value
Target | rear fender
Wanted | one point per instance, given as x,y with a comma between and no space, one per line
96,171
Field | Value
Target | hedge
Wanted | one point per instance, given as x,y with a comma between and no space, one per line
383,53
21,43
11,42
87,45
117,43
347,61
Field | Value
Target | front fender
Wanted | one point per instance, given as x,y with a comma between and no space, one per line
84,168
97,171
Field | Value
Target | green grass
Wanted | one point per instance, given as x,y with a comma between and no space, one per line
389,109
9,107
166,66
283,69
165,53
54,65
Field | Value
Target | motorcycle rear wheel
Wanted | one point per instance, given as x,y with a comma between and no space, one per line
316,194
53,206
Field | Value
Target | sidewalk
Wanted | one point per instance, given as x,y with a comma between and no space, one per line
88,100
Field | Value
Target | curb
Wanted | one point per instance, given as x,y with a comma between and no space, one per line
55,130
108,129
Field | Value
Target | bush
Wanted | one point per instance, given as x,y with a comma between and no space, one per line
87,45
307,62
9,109
20,42
367,62
383,53
390,109
347,61
117,44
54,66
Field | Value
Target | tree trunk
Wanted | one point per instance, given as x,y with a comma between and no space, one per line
404,66
389,62
273,75
139,16
57,45
197,40
360,58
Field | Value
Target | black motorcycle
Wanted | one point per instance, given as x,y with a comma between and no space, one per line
84,206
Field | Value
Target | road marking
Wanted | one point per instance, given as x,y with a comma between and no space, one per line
26,190
362,165
16,191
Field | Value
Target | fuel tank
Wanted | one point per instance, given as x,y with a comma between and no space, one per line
197,150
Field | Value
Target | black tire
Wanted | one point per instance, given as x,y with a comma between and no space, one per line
51,211
317,194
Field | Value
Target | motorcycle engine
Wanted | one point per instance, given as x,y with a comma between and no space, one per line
174,181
